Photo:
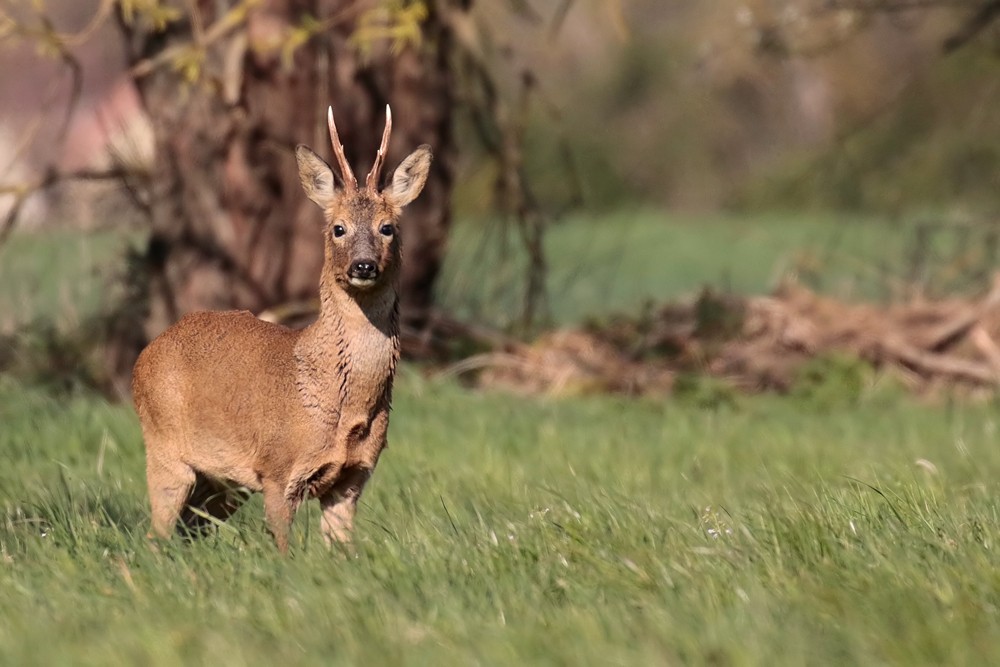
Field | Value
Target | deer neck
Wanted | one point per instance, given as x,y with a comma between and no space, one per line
347,358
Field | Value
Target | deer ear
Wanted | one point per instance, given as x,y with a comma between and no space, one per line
409,178
316,177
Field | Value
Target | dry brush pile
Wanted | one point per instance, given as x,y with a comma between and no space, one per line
757,343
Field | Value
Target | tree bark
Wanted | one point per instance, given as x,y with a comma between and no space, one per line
230,227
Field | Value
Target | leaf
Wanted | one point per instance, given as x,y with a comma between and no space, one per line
153,12
188,63
394,20
308,27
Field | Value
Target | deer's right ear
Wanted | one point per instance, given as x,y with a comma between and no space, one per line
316,177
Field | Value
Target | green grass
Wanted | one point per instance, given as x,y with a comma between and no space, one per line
506,530
812,529
618,262
598,264
63,274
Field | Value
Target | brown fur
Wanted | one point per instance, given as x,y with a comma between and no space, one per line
227,400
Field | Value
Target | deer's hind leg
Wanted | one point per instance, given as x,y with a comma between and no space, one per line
170,484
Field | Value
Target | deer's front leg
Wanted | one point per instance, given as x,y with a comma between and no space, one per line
365,442
339,505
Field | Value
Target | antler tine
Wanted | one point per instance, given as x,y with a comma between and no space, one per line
372,181
350,182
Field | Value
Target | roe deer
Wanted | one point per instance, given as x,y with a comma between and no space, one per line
227,400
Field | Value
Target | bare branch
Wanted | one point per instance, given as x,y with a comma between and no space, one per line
46,34
973,26
65,38
984,13
224,26
23,191
893,6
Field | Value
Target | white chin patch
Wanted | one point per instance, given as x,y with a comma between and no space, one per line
362,282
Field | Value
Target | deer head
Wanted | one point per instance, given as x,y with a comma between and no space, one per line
361,230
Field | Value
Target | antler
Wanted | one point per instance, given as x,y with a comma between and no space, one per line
350,182
372,181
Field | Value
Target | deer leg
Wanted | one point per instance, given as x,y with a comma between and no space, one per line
339,505
278,512
169,488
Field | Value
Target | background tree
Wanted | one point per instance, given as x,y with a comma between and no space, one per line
773,92
231,88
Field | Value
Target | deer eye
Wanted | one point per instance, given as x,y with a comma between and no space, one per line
386,230
338,230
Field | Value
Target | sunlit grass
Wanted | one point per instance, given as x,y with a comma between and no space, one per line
620,262
826,528
62,275
597,265
508,530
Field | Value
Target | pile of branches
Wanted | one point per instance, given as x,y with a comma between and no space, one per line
754,344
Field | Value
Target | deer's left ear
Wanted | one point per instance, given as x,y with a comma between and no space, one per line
409,178
316,177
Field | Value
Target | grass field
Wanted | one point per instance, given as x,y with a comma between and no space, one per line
504,530
598,265
819,529
618,262
63,275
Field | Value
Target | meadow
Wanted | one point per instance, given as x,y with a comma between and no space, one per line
823,528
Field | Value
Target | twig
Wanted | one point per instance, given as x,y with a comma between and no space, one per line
950,333
288,311
938,364
232,20
67,38
973,26
450,327
22,192
983,342
480,361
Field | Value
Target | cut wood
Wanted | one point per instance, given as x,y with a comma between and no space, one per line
954,330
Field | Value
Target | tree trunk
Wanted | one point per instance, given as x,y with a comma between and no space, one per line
231,227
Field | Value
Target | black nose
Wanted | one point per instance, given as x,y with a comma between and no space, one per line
364,269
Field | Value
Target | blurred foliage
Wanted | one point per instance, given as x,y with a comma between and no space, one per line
61,359
398,21
762,105
395,20
833,380
741,104
705,392
154,13
937,150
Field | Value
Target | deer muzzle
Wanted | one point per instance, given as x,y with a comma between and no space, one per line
363,273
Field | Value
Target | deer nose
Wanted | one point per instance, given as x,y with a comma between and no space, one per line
364,268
